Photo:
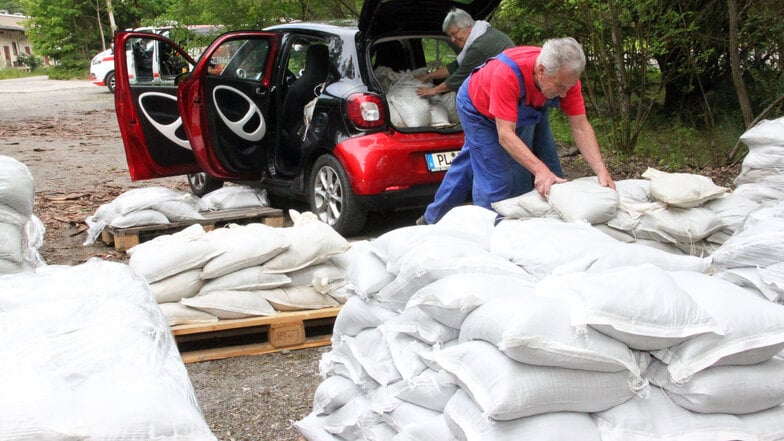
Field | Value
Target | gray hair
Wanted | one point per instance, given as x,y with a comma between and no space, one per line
562,54
459,18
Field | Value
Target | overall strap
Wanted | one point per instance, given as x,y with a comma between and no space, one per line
502,57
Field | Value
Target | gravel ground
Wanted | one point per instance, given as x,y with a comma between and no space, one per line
66,133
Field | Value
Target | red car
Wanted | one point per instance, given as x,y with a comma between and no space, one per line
308,111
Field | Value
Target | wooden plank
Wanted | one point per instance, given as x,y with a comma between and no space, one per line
251,349
281,317
282,331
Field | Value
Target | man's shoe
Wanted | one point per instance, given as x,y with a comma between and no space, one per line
421,220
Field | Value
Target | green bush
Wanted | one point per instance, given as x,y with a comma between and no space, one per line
30,60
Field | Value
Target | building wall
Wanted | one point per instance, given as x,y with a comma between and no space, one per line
13,41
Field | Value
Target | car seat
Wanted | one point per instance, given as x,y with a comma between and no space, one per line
299,94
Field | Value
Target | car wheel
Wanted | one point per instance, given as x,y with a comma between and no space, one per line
201,183
110,81
331,198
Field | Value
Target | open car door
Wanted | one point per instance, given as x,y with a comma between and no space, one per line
147,68
227,102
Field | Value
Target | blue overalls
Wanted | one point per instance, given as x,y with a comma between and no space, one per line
493,175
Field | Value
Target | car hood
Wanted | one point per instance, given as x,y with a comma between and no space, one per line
382,17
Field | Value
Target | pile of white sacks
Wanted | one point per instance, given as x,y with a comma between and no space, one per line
407,109
161,206
21,232
85,353
548,328
239,271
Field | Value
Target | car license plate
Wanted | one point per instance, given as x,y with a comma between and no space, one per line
440,161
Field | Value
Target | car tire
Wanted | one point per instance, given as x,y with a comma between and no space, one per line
201,183
331,198
110,81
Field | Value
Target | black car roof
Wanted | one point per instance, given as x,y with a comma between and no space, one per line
400,17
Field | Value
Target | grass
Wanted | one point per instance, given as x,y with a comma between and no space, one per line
11,72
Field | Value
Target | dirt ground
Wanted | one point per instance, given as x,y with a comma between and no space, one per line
66,132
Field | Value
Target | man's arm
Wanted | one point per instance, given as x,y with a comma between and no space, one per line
585,138
544,178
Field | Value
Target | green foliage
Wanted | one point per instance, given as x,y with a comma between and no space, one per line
31,61
61,72
12,6
12,72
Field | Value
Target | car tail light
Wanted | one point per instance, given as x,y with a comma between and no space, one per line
365,110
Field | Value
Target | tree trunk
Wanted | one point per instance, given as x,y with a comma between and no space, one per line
110,12
737,74
100,25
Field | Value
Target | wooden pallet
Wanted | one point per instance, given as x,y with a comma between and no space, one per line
125,238
255,335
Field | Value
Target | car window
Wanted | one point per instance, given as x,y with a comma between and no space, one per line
154,62
438,52
404,54
298,56
244,59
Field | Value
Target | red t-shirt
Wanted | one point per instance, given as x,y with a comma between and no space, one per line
494,89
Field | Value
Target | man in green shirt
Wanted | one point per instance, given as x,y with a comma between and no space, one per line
477,42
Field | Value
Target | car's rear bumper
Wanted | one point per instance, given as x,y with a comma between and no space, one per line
412,197
392,165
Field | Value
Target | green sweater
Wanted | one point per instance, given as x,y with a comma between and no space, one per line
488,45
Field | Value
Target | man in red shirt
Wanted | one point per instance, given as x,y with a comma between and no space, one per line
503,108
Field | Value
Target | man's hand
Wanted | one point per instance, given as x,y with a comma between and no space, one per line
426,91
544,179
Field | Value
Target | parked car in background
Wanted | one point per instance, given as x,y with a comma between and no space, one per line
309,111
102,69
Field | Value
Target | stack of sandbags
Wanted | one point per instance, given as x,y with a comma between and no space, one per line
243,270
761,178
753,257
445,340
144,206
406,108
235,196
677,212
85,353
21,232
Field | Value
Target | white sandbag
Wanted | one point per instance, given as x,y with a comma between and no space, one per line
759,244
406,353
404,414
429,389
139,218
309,244
432,429
506,390
773,277
11,243
757,328
584,200
768,424
163,259
177,287
526,206
231,304
358,314
393,244
634,190
687,225
91,360
450,299
367,272
540,245
332,393
750,277
417,323
537,330
348,421
465,420
760,192
185,208
468,222
763,157
340,361
329,275
10,216
427,268
311,430
641,306
732,209
725,389
12,267
297,298
765,132
413,109
243,246
235,196
249,279
179,314
682,190
659,418
17,189
370,349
